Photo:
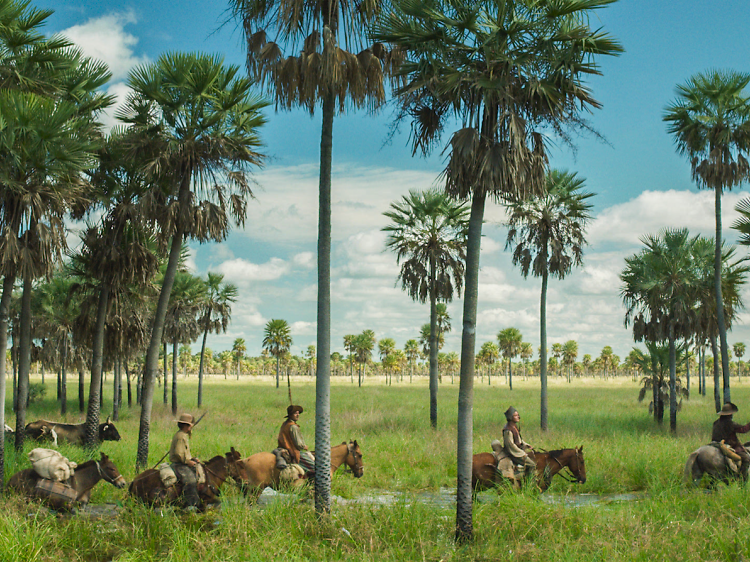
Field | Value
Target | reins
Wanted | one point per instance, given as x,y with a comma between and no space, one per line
572,478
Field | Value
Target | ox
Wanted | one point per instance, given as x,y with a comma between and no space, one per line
73,433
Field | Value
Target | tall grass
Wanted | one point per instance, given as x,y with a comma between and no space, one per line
406,462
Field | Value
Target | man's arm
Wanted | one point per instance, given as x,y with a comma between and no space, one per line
510,446
299,442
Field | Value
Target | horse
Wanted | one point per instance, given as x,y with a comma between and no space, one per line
84,478
149,488
708,459
484,473
262,472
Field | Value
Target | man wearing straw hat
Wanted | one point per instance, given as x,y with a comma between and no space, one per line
183,462
515,447
290,438
724,429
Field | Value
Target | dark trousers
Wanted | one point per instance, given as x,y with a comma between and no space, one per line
189,480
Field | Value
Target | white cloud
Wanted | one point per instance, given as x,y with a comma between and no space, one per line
105,39
305,260
241,272
301,328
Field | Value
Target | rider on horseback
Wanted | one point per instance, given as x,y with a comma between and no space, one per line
724,429
514,445
183,462
290,438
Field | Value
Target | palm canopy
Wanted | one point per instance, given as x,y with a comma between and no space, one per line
549,230
277,337
710,120
510,341
428,234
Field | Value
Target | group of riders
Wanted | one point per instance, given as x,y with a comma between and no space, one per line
293,449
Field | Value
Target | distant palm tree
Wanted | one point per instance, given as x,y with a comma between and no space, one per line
488,355
509,341
277,340
238,353
710,120
386,347
739,351
349,347
215,316
428,233
364,343
570,353
411,349
547,236
527,352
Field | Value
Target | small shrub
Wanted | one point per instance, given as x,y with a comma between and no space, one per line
37,392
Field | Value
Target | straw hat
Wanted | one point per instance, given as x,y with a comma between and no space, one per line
728,409
186,419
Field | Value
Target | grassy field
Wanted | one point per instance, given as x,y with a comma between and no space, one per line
413,467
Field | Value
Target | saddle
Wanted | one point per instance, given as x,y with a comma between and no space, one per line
505,465
169,478
288,469
733,459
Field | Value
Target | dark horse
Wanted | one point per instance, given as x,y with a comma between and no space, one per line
262,472
484,475
84,478
148,487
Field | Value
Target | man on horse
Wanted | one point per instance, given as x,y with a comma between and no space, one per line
183,462
724,429
290,438
514,445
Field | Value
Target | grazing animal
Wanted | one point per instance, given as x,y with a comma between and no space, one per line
84,478
262,472
484,475
42,430
708,459
149,488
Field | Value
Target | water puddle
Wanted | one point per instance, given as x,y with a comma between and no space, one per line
581,500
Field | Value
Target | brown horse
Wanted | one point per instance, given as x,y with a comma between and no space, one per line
84,478
484,475
262,472
148,487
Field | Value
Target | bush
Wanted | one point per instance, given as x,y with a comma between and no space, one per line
37,392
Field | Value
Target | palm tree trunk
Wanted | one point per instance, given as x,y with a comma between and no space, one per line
323,373
433,346
130,390
166,374
465,432
5,299
672,382
81,390
24,364
720,300
200,368
151,367
174,378
278,359
717,393
91,425
64,381
543,349
510,375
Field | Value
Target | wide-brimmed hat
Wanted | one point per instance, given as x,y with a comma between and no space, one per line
509,413
187,419
728,409
293,408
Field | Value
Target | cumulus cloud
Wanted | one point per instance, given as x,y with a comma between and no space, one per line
305,260
241,272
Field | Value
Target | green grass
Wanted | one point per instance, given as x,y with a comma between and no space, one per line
625,453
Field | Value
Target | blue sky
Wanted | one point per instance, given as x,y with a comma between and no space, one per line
641,183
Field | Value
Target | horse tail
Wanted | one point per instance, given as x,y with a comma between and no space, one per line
689,475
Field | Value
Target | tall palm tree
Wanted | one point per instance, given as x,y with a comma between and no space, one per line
710,121
364,343
570,353
739,351
660,292
509,341
547,235
316,70
217,313
277,340
386,347
193,123
428,234
507,70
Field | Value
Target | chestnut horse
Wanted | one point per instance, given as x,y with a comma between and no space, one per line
85,477
484,475
262,472
148,487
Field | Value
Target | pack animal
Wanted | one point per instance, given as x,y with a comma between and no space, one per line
485,474
149,488
710,460
262,472
84,478
43,430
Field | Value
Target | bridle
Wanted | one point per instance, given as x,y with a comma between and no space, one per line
347,467
104,476
569,476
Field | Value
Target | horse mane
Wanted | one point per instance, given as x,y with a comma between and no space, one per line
87,464
215,459
556,453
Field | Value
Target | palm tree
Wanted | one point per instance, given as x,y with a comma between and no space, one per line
316,71
505,83
660,292
655,367
277,340
557,350
411,349
216,315
710,120
739,351
488,354
570,353
428,233
193,122
364,343
386,347
350,349
606,358
586,362
547,236
238,353
509,341
527,352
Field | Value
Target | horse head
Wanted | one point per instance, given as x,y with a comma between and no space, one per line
235,467
109,473
578,465
354,459
108,431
